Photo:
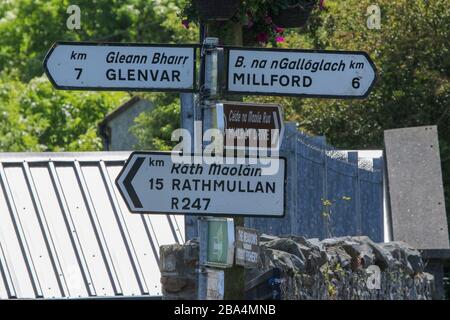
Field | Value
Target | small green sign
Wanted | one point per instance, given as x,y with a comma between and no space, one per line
219,240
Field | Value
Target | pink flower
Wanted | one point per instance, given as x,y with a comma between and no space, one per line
185,23
279,30
279,39
321,4
262,37
249,19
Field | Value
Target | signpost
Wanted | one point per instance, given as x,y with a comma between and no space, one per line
328,74
164,183
124,67
151,182
247,247
252,124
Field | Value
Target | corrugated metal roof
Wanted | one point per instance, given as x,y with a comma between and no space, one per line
66,232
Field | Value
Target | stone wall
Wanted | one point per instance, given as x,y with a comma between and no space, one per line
179,265
336,268
343,268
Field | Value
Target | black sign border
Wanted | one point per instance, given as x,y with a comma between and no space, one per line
192,213
194,46
369,90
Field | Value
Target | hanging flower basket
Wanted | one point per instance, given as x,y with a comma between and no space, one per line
294,16
217,9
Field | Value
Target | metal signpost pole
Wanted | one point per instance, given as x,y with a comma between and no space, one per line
190,116
208,91
187,102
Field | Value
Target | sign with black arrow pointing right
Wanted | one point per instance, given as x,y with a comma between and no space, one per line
307,73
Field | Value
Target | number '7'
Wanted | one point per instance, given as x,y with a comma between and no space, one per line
79,72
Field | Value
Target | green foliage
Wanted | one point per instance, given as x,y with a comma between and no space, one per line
35,117
12,124
411,54
153,129
29,27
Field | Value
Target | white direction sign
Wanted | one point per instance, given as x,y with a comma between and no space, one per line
329,74
108,66
151,182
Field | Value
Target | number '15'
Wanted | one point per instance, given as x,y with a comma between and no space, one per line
156,183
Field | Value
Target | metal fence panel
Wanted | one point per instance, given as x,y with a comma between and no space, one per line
341,192
309,220
371,186
329,192
14,262
65,231
57,221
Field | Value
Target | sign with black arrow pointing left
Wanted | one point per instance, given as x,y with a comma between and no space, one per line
119,66
157,182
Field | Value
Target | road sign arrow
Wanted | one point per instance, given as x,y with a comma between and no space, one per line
159,182
119,66
129,178
308,73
